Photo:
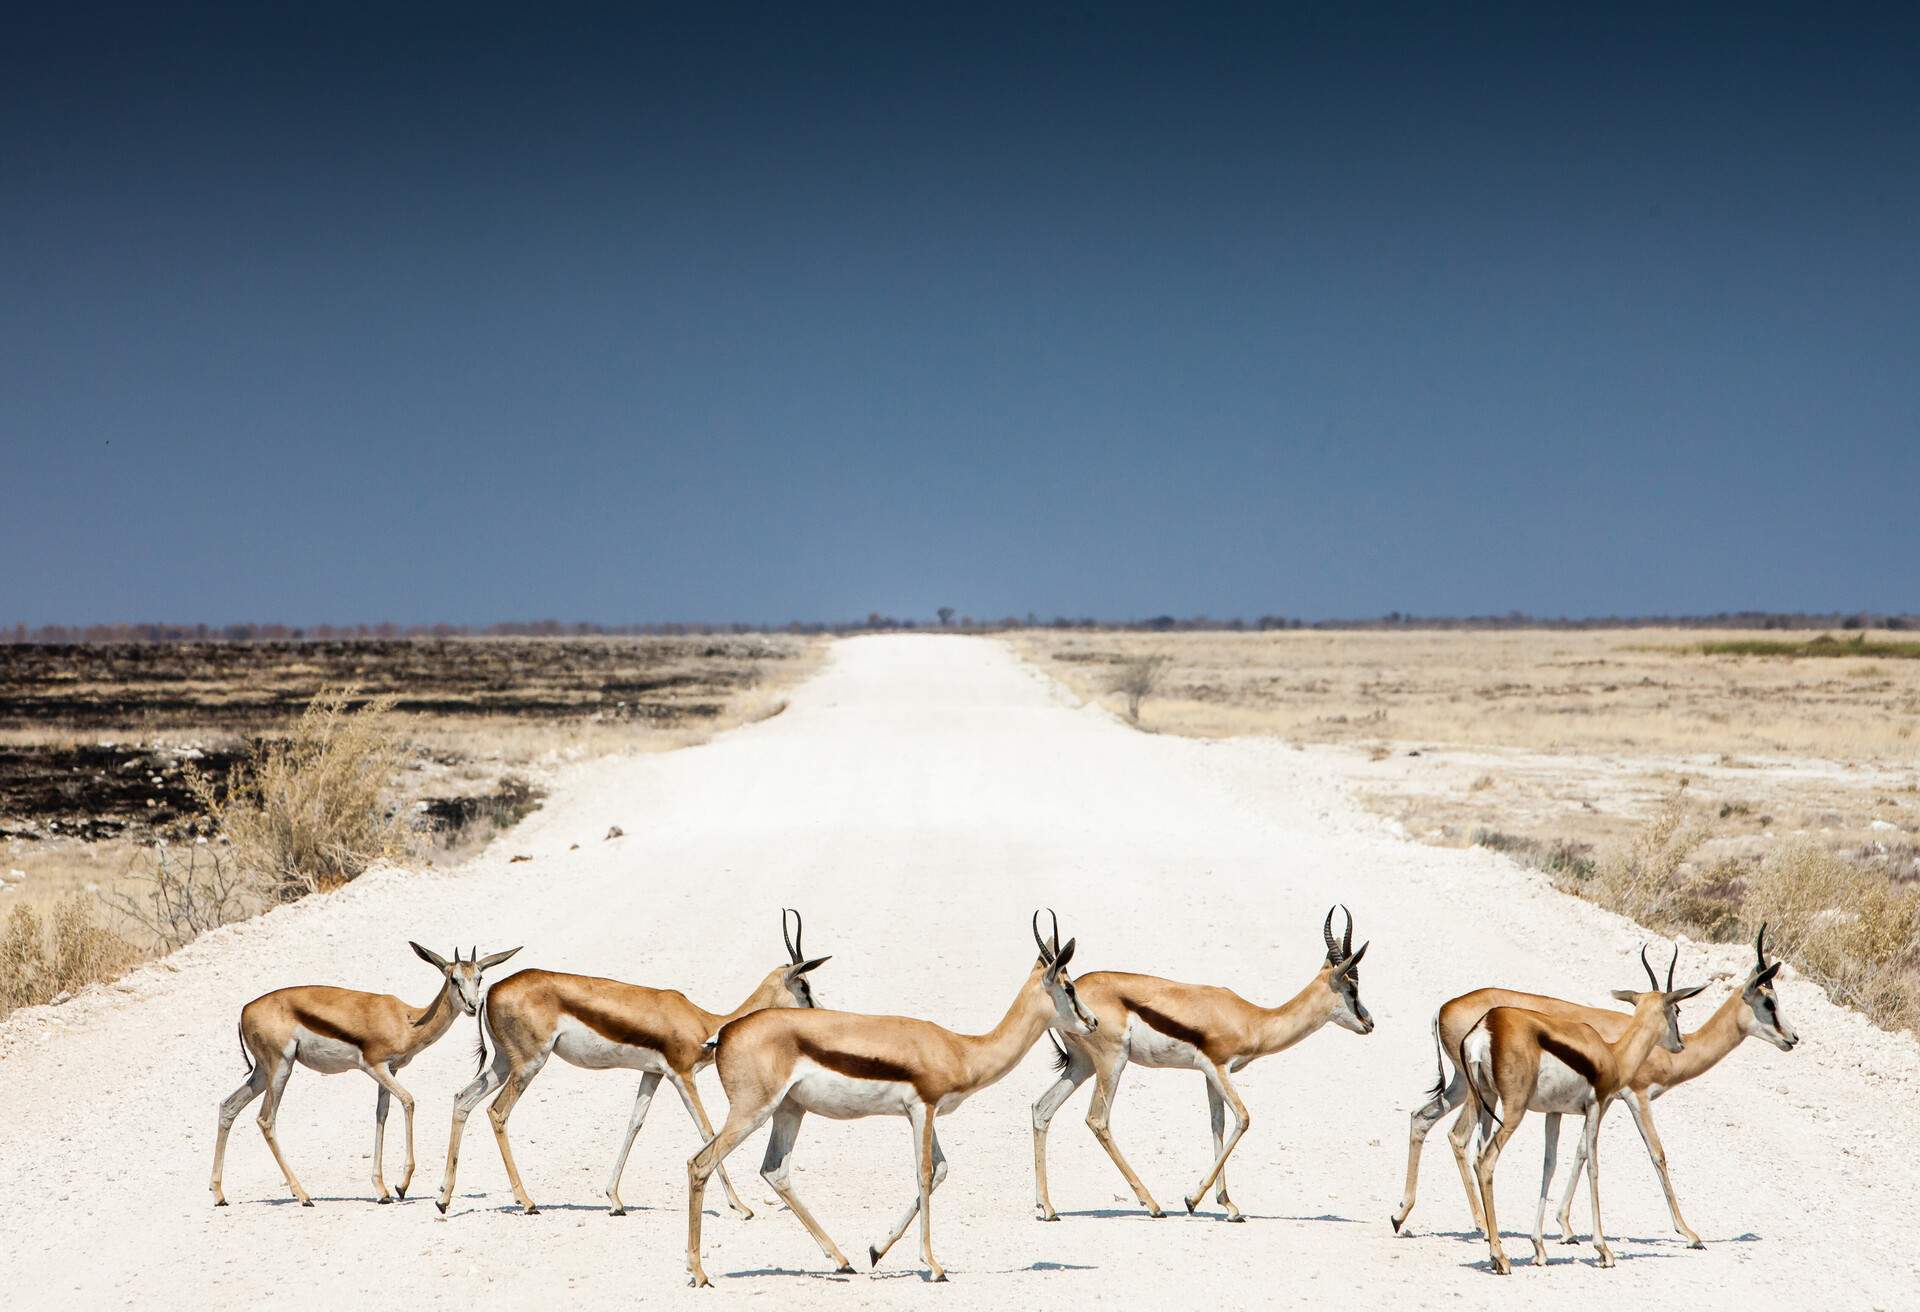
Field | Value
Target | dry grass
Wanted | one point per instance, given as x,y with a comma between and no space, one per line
1604,691
335,788
43,959
1698,782
1845,925
311,811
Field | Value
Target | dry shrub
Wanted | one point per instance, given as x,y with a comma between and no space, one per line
1842,923
44,960
187,895
310,812
1848,927
1136,678
1648,881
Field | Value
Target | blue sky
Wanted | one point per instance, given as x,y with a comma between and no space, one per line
763,312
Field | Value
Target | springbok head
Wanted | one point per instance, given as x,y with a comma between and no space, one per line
463,975
1669,997
1343,976
1069,1016
1760,1016
793,976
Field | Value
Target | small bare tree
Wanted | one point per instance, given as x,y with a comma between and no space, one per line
946,615
1137,677
184,897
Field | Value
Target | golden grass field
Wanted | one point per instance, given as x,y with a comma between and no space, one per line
1641,767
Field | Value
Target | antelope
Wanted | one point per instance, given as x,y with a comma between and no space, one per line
1751,1011
1519,1061
603,1024
1158,1023
784,1064
331,1030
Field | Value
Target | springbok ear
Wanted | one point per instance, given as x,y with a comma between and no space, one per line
800,968
494,959
1348,966
1681,995
428,955
1765,976
1066,955
1625,995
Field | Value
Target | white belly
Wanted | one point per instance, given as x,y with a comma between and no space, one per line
1147,1046
1559,1088
320,1053
845,1098
581,1045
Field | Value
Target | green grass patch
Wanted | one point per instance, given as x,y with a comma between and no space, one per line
1824,645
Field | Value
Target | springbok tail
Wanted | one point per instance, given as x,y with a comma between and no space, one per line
480,1034
1437,1094
1061,1059
1488,1096
246,1053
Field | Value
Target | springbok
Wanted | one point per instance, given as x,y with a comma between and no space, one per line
785,1064
603,1024
1750,1011
332,1030
1519,1061
1158,1023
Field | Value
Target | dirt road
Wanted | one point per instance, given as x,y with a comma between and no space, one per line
917,800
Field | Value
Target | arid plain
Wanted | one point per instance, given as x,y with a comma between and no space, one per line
918,797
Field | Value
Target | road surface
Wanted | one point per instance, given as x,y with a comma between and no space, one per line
917,800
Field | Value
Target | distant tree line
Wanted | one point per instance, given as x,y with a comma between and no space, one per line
946,619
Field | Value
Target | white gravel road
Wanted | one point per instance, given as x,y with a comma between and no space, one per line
917,800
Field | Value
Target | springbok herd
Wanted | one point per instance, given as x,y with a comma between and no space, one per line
781,1056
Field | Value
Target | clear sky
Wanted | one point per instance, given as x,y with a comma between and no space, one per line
712,312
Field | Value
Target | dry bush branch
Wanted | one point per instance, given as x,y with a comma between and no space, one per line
181,899
311,812
1136,678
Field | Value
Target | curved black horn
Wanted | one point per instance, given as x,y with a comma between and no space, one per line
1326,931
1346,943
1760,947
793,948
1652,978
1671,965
1054,943
473,953
1045,953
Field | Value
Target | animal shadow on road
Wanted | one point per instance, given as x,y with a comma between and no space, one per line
833,1277
1140,1214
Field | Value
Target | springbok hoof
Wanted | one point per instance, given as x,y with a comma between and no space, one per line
939,1277
401,1193
442,1206
618,1211
1238,1218
306,1202
531,1210
383,1200
221,1203
1046,1216
845,1268
1397,1223
873,1257
1191,1204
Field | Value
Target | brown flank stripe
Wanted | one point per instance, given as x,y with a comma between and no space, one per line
853,1064
322,1026
1170,1027
1575,1059
615,1027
